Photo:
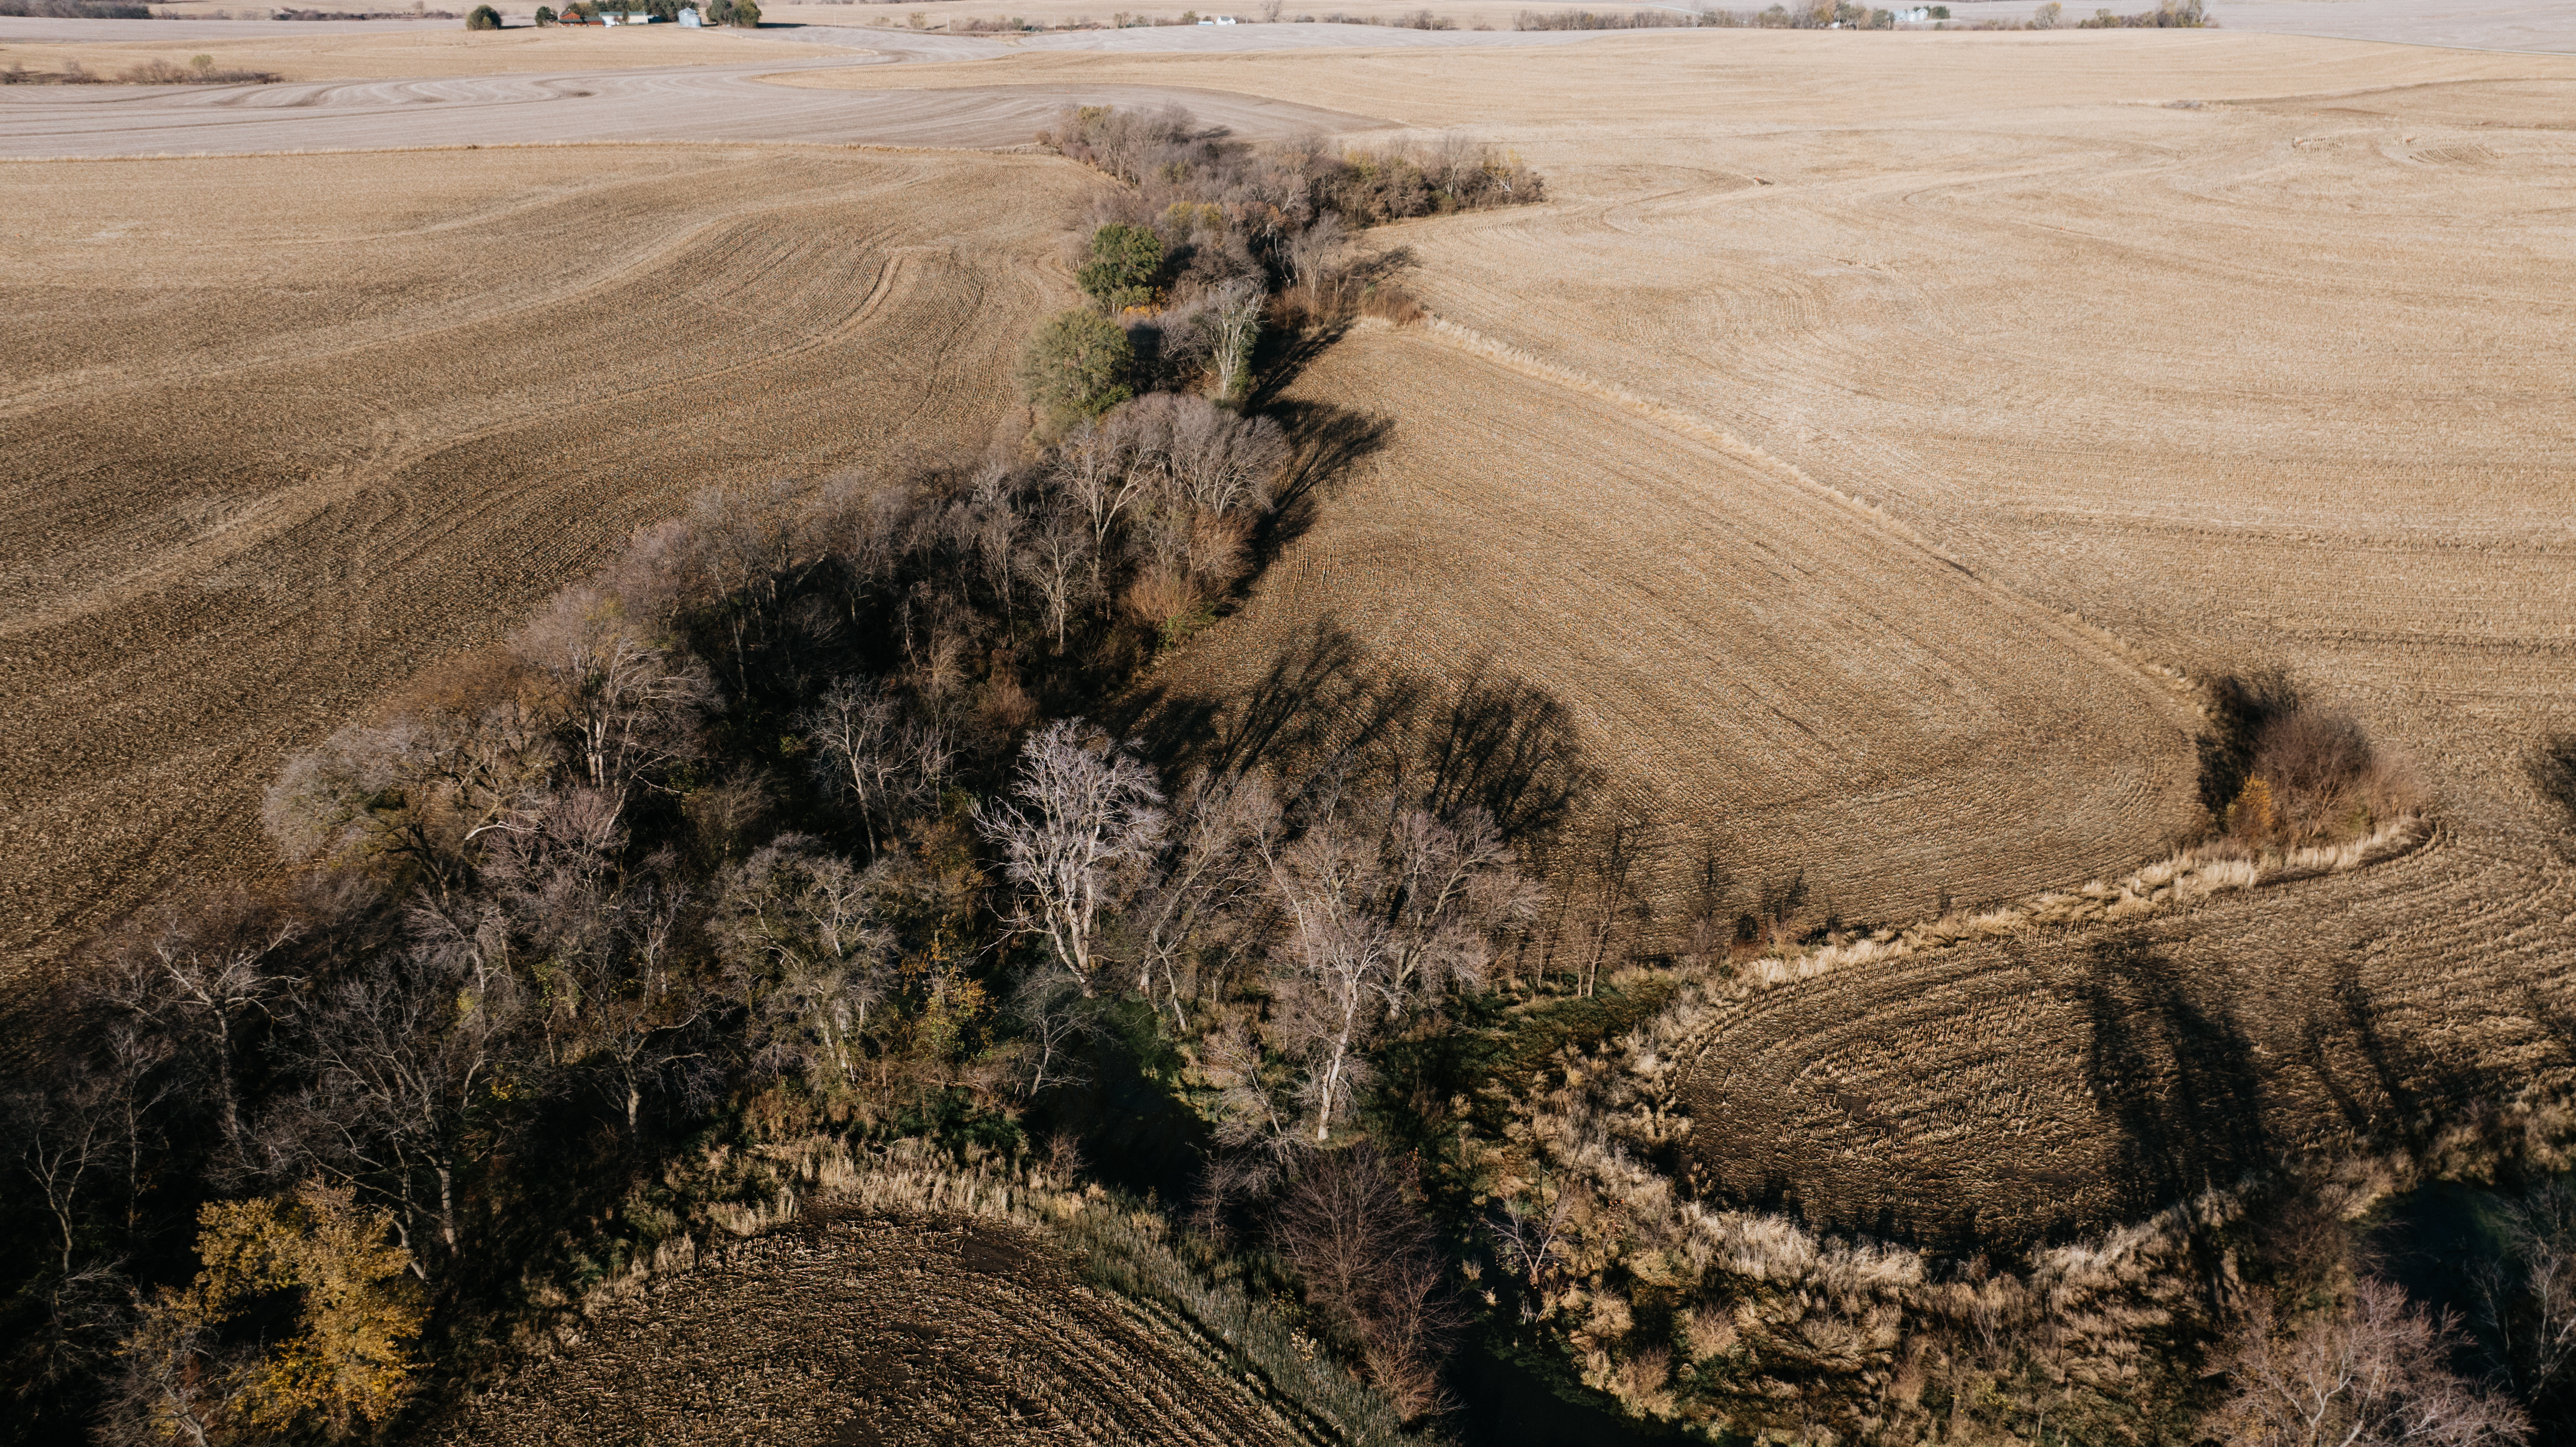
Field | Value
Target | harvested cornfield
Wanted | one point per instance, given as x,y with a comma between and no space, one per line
854,1327
2189,338
287,431
1687,635
2163,368
2025,1086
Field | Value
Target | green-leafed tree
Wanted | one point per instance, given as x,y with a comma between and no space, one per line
1125,263
1077,366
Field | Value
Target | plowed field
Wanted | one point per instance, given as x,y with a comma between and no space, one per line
285,431
1839,449
2241,350
866,1329
1747,661
2242,385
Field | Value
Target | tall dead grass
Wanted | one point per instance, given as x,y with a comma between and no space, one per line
1748,1323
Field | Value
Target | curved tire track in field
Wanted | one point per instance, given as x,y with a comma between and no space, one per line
2166,371
861,1328
219,565
1751,664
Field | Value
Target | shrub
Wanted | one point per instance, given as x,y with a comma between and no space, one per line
2168,15
1077,366
545,15
1370,1264
745,14
2277,768
483,17
1126,262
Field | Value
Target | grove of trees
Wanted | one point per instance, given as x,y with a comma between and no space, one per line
794,822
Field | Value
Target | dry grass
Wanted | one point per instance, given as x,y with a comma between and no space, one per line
294,429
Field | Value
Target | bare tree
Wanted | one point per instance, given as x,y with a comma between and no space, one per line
1233,324
1223,463
203,983
806,954
2374,1374
994,528
1453,885
1366,1256
632,707
1206,871
1104,467
1377,921
1597,919
2527,1300
1340,954
1311,252
1249,1107
65,1141
417,792
1051,1010
402,1055
1057,561
1532,1233
1088,819
870,749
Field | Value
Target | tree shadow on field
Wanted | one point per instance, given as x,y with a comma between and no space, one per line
2400,1089
1506,746
1329,705
2552,767
1327,442
2175,1073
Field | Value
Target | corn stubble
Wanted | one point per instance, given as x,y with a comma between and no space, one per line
2080,344
423,390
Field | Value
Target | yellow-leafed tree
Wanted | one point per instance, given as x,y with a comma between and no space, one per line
358,1317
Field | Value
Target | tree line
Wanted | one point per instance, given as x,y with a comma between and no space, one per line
1210,240
785,822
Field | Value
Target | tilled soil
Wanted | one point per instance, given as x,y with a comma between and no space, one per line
1754,670
2234,350
286,432
869,1331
